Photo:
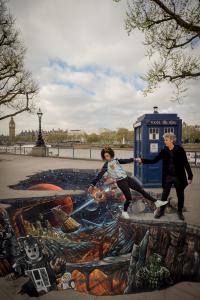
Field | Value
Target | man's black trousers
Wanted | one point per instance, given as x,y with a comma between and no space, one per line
126,183
173,180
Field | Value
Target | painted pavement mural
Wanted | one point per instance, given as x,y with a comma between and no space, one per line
82,241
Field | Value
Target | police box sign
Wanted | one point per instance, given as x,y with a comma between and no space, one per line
161,122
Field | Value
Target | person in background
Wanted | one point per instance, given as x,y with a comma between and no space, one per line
175,163
114,169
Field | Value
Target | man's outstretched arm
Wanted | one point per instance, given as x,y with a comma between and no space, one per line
156,159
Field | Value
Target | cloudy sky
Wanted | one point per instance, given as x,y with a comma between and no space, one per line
88,68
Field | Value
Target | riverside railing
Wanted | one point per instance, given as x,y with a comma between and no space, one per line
86,153
67,152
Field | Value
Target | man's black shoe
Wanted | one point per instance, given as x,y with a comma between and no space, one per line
159,213
180,215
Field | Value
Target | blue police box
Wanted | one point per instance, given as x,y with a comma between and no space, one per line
148,141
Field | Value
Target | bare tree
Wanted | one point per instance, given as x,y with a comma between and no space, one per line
17,87
172,32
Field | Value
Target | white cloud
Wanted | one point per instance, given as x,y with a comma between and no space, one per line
87,67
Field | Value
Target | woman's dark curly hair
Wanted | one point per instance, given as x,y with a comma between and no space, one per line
107,150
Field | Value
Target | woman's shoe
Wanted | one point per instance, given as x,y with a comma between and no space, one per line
125,215
160,203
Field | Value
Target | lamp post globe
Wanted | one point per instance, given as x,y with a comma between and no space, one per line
39,113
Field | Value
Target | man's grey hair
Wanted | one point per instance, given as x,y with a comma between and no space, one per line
171,136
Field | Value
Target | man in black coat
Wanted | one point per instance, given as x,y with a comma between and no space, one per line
175,163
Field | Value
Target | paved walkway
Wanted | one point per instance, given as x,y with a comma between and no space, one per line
15,168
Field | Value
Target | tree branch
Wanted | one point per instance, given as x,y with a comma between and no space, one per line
157,22
177,18
6,74
14,114
3,102
19,111
183,75
183,44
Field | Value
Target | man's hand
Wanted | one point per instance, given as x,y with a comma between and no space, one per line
90,189
189,181
138,159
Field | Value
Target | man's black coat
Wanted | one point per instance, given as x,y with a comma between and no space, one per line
180,162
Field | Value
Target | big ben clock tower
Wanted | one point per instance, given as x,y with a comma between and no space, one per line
12,131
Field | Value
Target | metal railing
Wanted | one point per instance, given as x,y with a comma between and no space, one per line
16,150
88,153
67,152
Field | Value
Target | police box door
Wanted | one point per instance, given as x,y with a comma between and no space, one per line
154,145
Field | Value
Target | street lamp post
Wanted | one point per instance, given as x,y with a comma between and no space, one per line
40,141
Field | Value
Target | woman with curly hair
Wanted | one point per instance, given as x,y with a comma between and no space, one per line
114,169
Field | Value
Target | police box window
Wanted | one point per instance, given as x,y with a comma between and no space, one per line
168,129
153,133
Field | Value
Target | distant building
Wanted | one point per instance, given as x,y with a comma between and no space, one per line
75,132
4,139
12,131
76,135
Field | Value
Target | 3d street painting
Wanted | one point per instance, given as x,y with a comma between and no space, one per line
82,241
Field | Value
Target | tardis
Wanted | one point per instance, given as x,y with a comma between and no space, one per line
148,141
